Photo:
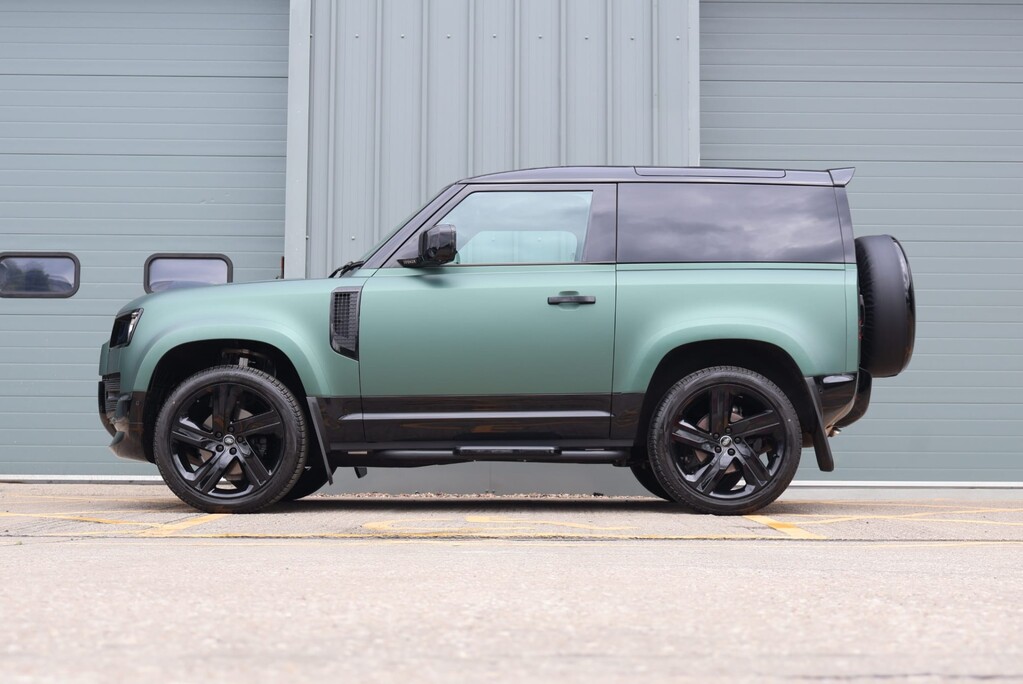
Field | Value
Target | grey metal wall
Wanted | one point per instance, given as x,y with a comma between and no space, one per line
126,129
926,100
410,95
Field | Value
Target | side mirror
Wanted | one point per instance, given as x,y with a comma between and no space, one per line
436,247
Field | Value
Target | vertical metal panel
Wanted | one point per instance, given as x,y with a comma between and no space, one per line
926,100
477,86
126,129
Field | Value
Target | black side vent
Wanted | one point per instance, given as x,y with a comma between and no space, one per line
344,321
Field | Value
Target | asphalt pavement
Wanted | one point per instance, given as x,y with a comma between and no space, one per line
124,583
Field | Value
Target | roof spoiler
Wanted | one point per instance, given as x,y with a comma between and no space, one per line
841,177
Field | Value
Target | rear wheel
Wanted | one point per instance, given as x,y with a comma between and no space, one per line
230,440
725,440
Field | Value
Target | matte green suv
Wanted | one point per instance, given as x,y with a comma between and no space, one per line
699,326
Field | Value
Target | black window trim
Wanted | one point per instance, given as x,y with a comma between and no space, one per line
185,255
45,255
604,218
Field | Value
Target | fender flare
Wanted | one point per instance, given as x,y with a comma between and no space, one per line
287,341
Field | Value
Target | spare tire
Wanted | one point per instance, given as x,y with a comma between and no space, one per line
889,305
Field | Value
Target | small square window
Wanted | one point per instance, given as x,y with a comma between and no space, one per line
39,274
173,271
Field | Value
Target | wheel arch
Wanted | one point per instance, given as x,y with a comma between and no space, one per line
770,360
182,360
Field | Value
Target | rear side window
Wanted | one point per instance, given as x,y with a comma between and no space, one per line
726,222
40,274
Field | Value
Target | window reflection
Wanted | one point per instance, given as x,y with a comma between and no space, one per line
174,272
702,222
38,275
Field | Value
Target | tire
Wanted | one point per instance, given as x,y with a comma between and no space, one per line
231,440
889,305
724,440
645,476
312,479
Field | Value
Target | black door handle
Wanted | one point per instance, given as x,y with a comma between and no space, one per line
571,299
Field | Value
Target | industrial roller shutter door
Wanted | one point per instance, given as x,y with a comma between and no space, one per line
926,100
126,129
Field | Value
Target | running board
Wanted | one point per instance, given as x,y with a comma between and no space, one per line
410,458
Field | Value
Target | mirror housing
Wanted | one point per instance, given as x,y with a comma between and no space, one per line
437,246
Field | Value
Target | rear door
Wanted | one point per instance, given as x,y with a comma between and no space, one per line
514,339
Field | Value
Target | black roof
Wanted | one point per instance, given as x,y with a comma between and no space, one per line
665,174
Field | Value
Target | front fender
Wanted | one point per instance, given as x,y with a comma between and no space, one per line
290,342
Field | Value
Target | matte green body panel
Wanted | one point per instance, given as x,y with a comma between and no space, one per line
801,308
852,317
291,315
480,330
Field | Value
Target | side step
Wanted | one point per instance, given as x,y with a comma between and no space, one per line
410,458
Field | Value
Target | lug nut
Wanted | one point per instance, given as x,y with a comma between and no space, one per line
731,452
717,449
220,447
233,450
217,435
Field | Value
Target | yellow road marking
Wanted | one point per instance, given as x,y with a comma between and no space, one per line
784,527
172,528
73,518
912,517
493,524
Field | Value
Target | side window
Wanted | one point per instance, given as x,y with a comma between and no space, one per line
172,271
39,274
518,227
728,222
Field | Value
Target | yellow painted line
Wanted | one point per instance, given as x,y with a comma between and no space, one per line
72,518
461,534
912,517
493,524
785,528
172,528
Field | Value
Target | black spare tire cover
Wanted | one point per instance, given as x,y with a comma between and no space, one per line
889,305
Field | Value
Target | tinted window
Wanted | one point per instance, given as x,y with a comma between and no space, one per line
518,227
687,222
38,275
169,271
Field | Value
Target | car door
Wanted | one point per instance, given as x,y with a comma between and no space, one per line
514,339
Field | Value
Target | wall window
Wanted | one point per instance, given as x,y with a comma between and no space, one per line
173,271
39,274
726,222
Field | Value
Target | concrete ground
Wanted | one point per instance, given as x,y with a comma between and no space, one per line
124,583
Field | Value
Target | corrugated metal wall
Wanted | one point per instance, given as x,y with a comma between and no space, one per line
410,95
926,100
126,129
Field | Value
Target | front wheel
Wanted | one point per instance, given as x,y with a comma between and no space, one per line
725,440
230,440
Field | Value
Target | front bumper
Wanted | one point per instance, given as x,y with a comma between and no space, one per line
122,416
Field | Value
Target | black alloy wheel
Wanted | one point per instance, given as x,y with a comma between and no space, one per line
725,440
231,439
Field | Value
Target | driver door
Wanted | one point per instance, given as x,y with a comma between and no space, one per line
514,339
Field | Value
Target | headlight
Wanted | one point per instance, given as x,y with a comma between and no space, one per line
124,328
